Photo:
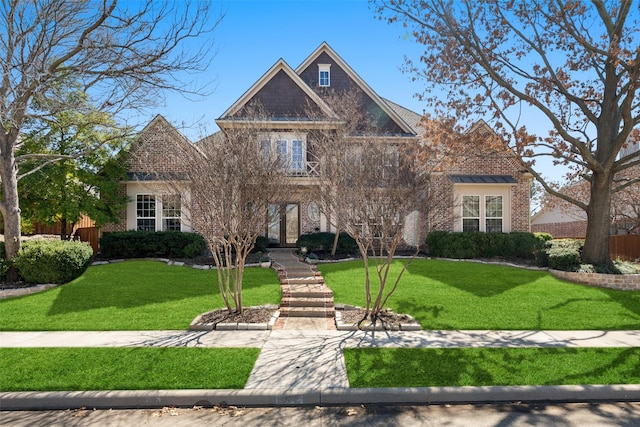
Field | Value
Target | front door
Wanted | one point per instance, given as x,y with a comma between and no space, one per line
284,225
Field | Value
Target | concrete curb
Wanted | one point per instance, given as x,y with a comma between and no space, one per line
124,399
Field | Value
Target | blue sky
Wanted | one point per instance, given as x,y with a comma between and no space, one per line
256,33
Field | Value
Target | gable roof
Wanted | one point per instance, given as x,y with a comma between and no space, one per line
403,119
324,48
279,67
411,118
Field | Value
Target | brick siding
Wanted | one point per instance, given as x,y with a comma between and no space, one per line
560,230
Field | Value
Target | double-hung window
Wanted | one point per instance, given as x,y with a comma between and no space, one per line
324,75
470,213
150,207
487,217
493,214
146,212
171,213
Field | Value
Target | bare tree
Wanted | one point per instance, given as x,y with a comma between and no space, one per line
575,62
232,180
122,54
370,185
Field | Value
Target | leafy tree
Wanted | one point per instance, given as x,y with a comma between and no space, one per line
85,182
575,62
122,53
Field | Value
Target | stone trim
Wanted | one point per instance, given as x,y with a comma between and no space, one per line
622,282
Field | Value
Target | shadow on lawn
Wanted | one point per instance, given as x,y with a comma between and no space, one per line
135,284
481,280
441,367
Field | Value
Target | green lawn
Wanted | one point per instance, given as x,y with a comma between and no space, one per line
131,295
440,367
467,295
48,369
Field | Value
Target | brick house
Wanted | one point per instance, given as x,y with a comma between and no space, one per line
484,191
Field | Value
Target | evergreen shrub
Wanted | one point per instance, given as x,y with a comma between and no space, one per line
52,261
149,244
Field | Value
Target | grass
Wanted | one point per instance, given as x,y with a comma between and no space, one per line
131,295
439,367
466,295
49,369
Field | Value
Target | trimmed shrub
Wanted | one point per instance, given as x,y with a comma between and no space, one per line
149,244
564,254
262,242
52,261
466,245
323,242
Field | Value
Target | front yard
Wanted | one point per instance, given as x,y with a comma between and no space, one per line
146,295
131,295
467,295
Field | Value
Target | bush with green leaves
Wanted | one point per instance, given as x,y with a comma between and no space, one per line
262,242
564,254
148,244
52,261
323,242
445,244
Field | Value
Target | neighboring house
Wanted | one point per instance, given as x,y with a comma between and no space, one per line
483,191
562,219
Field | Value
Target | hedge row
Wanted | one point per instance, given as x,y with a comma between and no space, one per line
466,245
148,244
52,261
323,242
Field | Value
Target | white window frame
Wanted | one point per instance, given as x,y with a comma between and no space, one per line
160,214
324,69
146,199
172,213
284,145
483,217
487,217
467,217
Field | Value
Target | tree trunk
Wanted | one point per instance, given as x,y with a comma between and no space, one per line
63,229
335,242
11,213
596,245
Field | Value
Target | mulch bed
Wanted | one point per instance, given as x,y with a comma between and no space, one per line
388,318
249,315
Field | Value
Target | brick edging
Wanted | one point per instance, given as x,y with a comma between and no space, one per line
623,282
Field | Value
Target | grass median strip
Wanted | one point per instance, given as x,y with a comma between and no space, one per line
421,367
140,368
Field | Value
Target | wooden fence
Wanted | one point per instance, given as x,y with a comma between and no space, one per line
625,247
85,231
90,235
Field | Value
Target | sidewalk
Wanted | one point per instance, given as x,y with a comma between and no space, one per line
306,367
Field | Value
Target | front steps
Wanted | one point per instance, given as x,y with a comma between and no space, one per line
306,300
312,299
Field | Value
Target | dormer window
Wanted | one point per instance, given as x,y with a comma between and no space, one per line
324,75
